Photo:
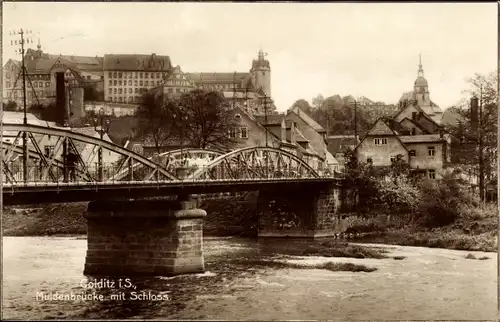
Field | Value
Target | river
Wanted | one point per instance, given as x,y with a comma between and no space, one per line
430,284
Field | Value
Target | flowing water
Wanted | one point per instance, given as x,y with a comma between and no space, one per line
428,284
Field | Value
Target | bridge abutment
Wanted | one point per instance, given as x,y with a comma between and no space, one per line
144,237
301,212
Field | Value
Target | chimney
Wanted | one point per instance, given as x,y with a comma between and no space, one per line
474,111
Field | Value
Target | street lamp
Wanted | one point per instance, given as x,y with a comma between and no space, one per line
101,125
180,119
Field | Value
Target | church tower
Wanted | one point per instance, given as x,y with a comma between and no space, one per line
421,88
261,73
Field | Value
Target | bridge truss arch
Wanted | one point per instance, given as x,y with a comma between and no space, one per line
189,159
47,165
255,163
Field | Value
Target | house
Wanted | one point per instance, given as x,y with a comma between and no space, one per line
427,153
337,146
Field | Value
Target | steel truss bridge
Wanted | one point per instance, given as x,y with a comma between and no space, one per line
192,169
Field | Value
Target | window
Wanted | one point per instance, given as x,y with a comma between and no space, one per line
244,132
413,115
110,91
110,83
146,83
115,82
114,75
158,83
170,90
47,84
140,75
49,150
115,91
136,90
120,99
119,75
432,174
130,91
140,83
413,153
369,160
178,90
110,74
135,82
413,131
102,77
88,77
380,141
119,83
129,83
40,84
232,133
35,84
121,91
393,159
7,84
238,117
431,151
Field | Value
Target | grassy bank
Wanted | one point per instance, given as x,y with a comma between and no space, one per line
477,233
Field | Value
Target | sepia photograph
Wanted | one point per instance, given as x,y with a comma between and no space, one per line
249,161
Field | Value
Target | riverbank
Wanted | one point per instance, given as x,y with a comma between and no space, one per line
236,218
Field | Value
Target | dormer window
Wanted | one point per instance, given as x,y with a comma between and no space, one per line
237,117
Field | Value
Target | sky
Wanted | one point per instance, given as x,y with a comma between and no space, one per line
359,49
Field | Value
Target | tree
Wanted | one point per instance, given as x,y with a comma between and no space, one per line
90,93
155,119
208,119
484,87
304,106
10,106
45,112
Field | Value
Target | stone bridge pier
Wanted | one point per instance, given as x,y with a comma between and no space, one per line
144,237
301,211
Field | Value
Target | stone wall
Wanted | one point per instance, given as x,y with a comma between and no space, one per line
144,237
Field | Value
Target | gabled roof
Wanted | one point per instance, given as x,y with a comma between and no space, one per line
299,137
427,117
338,144
137,62
414,123
307,119
330,159
384,129
418,108
217,78
271,119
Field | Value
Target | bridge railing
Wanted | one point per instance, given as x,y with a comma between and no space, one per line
38,174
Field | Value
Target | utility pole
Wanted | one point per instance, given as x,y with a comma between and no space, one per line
25,119
481,156
356,122
234,90
265,116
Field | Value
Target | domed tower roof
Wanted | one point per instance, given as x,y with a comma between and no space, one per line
261,62
420,81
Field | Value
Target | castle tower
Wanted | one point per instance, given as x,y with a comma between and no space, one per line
261,73
421,88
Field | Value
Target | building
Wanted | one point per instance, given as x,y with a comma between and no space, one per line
420,98
427,153
126,77
337,145
41,68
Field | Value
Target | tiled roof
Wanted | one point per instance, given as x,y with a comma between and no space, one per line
395,126
137,62
338,144
272,119
80,60
299,137
421,138
307,119
330,159
39,65
216,78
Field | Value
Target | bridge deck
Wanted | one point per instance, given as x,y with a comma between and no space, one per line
46,192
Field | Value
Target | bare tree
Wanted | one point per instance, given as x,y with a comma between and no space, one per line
207,119
478,146
155,120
